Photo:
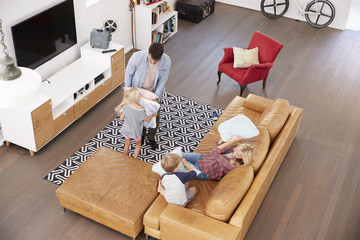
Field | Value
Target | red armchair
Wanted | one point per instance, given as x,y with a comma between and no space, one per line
269,48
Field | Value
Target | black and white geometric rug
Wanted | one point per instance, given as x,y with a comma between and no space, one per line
183,122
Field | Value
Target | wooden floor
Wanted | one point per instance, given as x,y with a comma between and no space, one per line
316,193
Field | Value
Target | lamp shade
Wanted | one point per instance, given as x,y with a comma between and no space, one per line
20,91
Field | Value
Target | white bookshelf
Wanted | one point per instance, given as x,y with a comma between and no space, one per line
144,26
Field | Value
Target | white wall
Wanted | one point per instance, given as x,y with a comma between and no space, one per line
342,8
15,11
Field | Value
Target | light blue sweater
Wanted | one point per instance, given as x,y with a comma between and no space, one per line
137,69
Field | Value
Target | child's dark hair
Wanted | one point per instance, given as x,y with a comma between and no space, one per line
170,161
156,51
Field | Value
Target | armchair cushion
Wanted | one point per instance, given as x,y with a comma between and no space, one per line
244,58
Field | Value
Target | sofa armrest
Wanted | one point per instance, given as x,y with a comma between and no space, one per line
152,215
182,223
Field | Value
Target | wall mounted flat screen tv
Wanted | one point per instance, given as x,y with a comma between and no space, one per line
45,35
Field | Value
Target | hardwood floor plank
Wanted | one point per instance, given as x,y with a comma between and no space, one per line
288,212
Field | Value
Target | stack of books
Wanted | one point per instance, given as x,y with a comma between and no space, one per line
167,29
157,11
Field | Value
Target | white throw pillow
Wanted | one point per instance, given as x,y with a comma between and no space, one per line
244,58
156,168
145,93
239,125
151,107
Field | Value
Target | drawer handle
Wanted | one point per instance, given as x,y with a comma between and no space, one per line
104,84
64,114
85,98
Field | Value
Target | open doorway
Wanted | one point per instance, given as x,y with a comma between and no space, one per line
353,21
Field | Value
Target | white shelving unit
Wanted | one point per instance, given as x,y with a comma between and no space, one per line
144,26
64,98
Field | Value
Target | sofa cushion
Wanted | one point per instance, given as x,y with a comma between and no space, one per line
228,193
261,144
208,142
204,190
274,117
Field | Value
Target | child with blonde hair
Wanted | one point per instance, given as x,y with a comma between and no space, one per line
134,116
174,185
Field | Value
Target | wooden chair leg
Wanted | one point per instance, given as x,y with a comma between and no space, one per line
32,153
7,143
242,88
219,76
264,83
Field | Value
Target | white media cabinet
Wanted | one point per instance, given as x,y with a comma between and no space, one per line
144,26
64,98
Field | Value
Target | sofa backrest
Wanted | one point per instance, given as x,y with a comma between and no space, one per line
228,193
274,117
261,144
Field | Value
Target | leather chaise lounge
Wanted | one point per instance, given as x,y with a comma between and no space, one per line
107,189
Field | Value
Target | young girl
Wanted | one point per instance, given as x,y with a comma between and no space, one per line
134,116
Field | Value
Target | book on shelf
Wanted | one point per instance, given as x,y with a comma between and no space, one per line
161,34
158,37
153,18
169,25
159,10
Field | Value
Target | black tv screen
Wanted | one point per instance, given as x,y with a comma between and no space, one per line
45,35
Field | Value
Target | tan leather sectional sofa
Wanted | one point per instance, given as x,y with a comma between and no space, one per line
120,192
225,209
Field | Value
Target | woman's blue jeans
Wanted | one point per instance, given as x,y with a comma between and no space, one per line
193,159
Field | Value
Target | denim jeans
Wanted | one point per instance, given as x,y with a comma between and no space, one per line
193,159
